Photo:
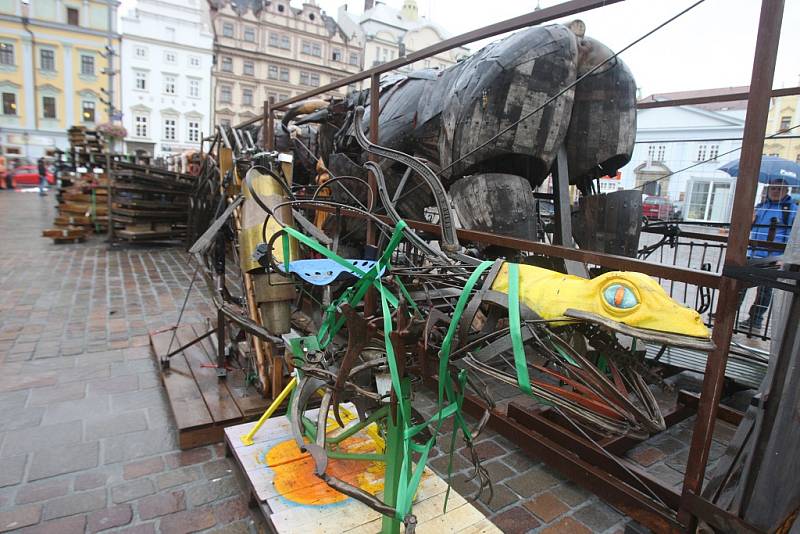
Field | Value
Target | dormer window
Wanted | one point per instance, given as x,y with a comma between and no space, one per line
311,16
280,8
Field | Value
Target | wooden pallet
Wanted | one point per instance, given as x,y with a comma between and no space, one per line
202,404
283,487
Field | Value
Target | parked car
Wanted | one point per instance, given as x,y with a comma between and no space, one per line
29,175
660,208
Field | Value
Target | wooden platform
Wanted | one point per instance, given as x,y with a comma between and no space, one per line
292,499
202,404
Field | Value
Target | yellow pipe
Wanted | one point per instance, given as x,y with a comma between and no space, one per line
247,439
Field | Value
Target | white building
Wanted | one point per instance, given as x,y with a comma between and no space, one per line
388,33
671,139
166,76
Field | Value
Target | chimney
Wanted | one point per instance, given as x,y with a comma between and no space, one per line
368,4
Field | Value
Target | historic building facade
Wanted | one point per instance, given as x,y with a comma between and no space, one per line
389,33
272,51
784,115
53,59
166,76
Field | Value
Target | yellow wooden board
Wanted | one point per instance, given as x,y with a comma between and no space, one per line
295,500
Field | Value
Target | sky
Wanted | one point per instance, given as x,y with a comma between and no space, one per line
710,46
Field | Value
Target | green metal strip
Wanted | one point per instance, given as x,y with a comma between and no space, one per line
520,362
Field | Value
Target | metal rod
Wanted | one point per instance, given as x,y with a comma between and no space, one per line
769,29
722,97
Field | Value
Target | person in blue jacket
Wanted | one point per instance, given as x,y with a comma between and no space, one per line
772,221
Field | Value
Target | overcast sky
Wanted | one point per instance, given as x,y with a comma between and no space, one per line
710,46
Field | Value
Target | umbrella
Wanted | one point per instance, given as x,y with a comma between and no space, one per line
772,168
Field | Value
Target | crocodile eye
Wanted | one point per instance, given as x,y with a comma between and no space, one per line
619,296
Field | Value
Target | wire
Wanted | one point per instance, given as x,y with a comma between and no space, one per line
645,184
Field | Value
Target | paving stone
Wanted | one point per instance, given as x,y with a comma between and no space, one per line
464,485
116,516
213,490
59,393
231,510
142,528
240,527
130,491
646,455
218,468
75,524
441,463
162,504
190,457
19,517
114,425
178,477
678,461
68,459
42,491
75,503
571,494
532,482
140,468
667,445
485,450
118,384
12,470
135,400
516,520
91,480
23,418
501,497
138,445
519,461
546,506
76,410
189,521
498,471
43,437
566,525
598,516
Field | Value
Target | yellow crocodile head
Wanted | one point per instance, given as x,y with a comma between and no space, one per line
629,298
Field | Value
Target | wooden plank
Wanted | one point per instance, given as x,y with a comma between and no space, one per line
249,401
215,392
186,401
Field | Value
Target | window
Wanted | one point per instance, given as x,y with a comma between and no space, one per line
169,84
284,74
272,72
47,60
49,107
353,58
309,78
140,52
88,111
282,97
247,97
701,153
169,57
7,54
227,64
225,94
227,29
713,152
193,131
87,65
272,97
250,34
194,88
311,16
311,49
336,54
656,152
141,81
73,16
225,123
285,43
280,8
170,129
786,123
194,61
9,104
248,69
140,122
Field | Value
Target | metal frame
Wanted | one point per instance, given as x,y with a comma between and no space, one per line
597,474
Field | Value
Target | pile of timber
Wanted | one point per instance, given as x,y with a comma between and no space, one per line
82,209
85,140
149,204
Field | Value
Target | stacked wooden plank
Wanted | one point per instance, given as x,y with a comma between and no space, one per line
85,140
82,209
149,204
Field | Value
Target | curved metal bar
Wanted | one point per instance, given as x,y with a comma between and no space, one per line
446,218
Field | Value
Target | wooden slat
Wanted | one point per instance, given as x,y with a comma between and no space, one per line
215,392
188,406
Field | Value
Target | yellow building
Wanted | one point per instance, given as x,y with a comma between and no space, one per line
53,71
784,113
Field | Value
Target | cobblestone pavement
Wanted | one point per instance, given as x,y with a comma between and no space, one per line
86,438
